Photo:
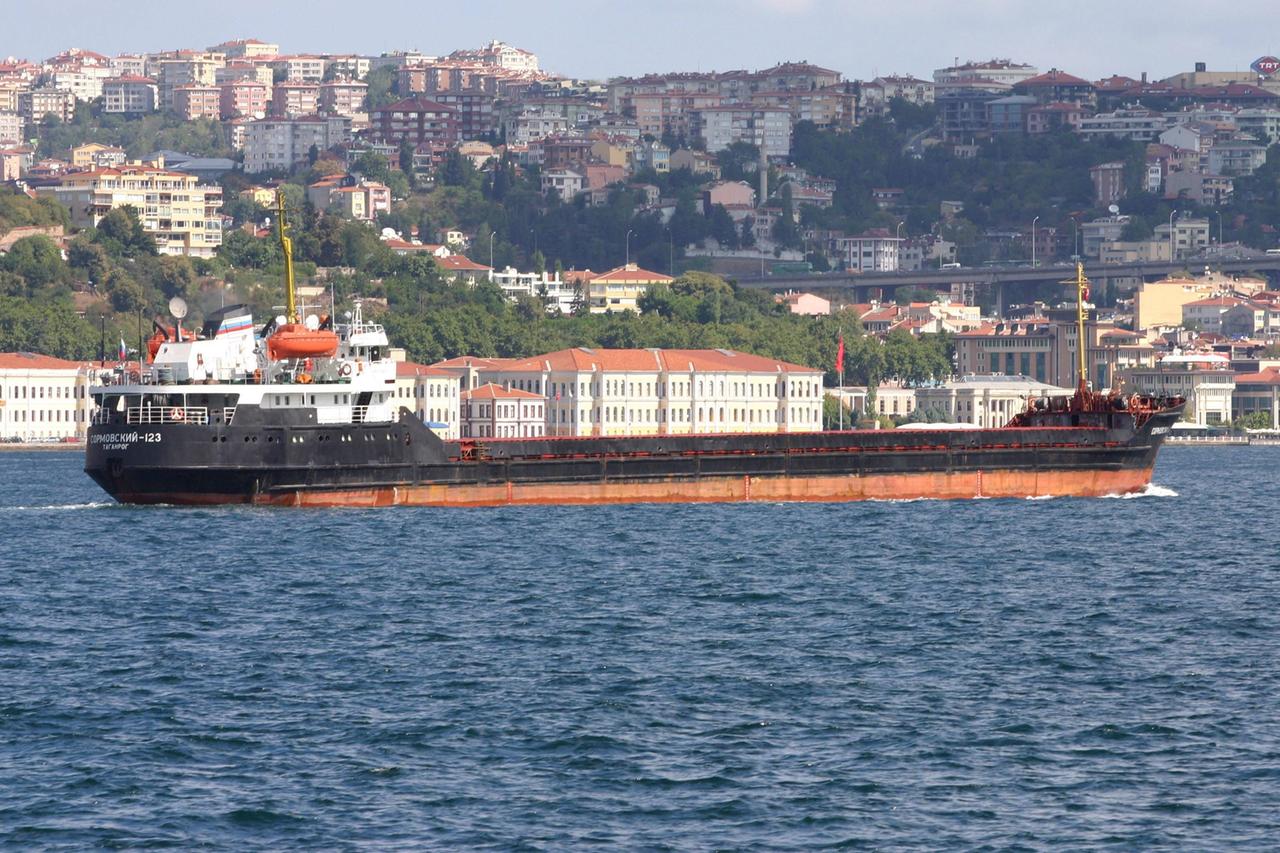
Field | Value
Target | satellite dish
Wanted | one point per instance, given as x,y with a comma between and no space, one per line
312,322
178,307
1115,208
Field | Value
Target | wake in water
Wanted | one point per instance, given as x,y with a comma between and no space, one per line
60,507
1151,491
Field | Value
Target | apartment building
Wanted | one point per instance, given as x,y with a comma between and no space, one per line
243,98
280,144
343,97
295,99
193,101
183,68
665,392
12,128
556,293
35,104
767,128
620,288
129,95
183,217
418,120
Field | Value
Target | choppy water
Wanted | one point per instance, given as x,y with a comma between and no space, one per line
1011,674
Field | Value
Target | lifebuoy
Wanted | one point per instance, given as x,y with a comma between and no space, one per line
177,414
345,369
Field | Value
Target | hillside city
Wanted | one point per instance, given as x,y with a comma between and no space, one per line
523,234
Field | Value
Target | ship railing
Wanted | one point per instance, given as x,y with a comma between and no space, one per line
167,415
228,412
359,414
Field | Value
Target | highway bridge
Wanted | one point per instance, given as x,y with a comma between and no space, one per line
1007,281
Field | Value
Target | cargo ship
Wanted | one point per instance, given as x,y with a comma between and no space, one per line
303,413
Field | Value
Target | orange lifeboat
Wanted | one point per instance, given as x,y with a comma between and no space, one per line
162,336
295,340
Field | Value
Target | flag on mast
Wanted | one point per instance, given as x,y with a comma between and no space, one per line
124,351
840,355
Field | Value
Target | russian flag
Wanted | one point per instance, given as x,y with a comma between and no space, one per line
124,351
235,324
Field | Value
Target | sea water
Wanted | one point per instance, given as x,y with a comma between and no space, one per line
1033,674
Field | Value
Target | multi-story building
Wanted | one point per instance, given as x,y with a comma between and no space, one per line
1001,72
500,55
183,68
620,288
246,49
1257,392
1236,157
984,400
129,94
343,97
831,108
128,65
1133,123
302,68
767,128
243,99
1187,237
964,112
294,99
42,398
1205,380
79,72
183,217
873,251
565,181
431,394
665,392
492,411
95,154
473,113
12,127
557,294
192,101
35,104
1057,87
1009,114
281,144
418,120
877,94
360,200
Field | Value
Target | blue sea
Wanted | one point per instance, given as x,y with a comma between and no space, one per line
991,674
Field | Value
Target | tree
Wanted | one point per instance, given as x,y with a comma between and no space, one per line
406,162
175,277
125,292
785,230
38,260
122,235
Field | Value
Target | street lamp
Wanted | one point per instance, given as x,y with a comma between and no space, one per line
671,253
492,234
897,245
628,263
1172,214
1034,220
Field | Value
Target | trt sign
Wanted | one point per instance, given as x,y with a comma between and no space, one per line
1265,66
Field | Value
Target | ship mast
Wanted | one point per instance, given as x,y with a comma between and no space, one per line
1082,294
286,245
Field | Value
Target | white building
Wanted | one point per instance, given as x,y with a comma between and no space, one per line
874,251
666,392
431,394
492,411
768,128
280,144
42,398
559,295
989,400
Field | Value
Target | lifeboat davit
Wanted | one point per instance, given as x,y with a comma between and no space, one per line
295,340
160,337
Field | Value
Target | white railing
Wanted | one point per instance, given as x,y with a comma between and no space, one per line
167,415
228,412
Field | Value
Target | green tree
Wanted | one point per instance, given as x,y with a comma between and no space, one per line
38,260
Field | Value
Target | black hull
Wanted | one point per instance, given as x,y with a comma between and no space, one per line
258,461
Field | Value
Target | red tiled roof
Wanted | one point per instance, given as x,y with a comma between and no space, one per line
408,368
459,263
653,360
632,273
1052,77
1215,302
1270,376
464,361
491,391
35,361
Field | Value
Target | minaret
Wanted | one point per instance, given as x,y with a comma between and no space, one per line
764,178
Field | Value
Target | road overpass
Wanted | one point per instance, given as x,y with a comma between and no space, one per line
1005,280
